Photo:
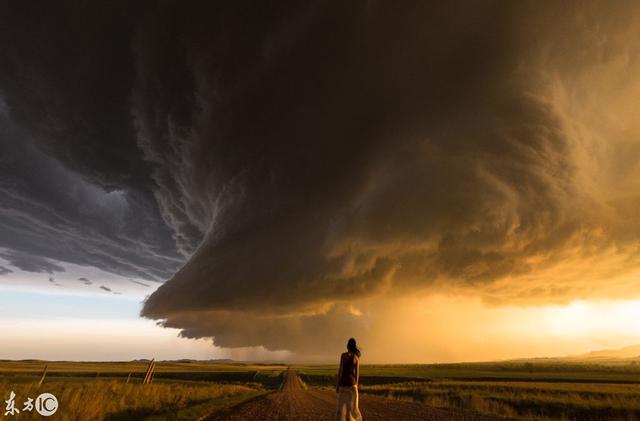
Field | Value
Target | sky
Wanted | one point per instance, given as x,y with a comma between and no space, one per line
444,181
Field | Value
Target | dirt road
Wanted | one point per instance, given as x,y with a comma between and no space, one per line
294,402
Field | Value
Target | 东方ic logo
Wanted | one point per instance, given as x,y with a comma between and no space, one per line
46,404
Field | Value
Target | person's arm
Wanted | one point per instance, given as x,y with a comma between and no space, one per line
339,374
357,371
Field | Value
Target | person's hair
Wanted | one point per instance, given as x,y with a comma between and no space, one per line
351,347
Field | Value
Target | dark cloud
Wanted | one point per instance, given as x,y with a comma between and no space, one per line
309,335
50,211
107,289
85,281
139,283
30,263
67,73
354,170
379,150
53,281
299,157
5,271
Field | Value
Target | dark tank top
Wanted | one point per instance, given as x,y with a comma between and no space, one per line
349,363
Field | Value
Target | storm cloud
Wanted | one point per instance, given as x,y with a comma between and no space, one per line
30,263
278,164
50,212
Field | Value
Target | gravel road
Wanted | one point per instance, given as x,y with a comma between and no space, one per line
294,402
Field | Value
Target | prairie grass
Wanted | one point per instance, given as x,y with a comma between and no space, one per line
522,400
96,400
538,390
540,371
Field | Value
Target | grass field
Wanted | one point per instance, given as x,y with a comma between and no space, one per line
110,400
522,390
523,400
183,391
515,371
101,391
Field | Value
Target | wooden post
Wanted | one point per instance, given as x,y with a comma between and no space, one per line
128,378
146,375
149,375
153,372
44,373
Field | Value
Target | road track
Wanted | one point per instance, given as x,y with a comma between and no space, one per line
294,402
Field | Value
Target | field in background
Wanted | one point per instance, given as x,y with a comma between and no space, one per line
531,390
528,370
164,370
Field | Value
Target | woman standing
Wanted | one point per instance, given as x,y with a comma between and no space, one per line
347,387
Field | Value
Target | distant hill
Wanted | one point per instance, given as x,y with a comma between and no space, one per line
217,361
626,355
188,360
628,352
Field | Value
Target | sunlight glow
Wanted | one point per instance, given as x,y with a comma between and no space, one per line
582,318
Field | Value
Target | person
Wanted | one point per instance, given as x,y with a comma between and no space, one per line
347,385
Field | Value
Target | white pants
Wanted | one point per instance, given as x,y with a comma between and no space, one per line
348,404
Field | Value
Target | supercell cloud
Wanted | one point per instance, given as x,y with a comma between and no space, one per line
282,165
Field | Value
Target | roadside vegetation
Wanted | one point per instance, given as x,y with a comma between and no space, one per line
114,391
523,400
112,400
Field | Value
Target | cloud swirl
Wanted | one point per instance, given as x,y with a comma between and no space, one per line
282,164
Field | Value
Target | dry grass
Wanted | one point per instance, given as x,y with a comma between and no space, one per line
523,400
95,400
532,390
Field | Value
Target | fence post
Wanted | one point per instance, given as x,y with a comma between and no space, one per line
150,369
44,373
153,372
